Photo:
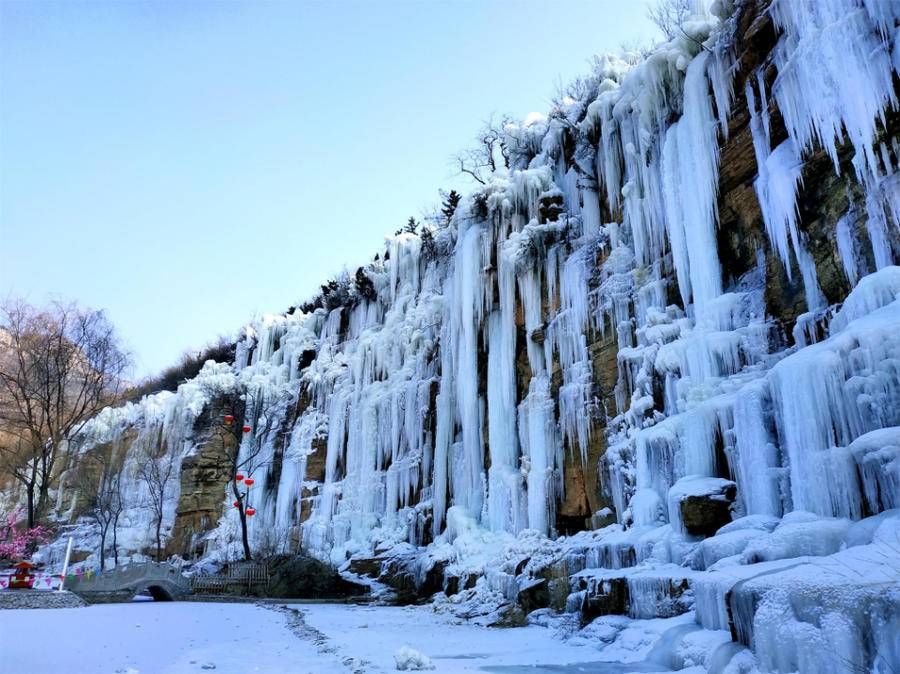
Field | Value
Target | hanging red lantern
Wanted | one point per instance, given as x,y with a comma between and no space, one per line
229,418
250,512
246,429
238,477
237,504
249,481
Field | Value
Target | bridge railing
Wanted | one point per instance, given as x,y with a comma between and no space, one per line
128,576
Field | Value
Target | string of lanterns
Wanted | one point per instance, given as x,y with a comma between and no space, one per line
248,482
240,477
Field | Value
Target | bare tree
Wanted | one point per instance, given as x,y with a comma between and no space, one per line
98,469
157,472
487,154
58,367
243,458
669,16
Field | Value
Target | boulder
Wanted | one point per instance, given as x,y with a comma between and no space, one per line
607,597
510,615
702,504
534,593
296,576
366,566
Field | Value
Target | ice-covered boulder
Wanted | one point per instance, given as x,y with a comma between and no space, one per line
799,534
877,454
701,505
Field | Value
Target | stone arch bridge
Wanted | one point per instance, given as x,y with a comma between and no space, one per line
163,582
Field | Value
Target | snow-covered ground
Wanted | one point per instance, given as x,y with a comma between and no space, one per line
155,638
183,638
375,634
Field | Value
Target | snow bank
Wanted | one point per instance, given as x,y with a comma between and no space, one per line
409,659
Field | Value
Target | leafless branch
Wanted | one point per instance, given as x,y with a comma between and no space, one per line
59,366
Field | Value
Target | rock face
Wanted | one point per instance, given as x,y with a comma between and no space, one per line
608,598
204,477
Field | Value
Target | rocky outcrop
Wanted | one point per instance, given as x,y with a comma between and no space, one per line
204,477
307,578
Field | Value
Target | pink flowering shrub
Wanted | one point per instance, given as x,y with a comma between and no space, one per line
17,543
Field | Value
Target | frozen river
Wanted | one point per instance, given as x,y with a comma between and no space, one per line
177,638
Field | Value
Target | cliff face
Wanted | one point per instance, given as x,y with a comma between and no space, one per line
635,331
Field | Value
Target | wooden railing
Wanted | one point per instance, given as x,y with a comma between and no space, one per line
237,576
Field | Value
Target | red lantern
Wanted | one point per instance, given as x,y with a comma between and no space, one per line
246,429
250,512
238,477
237,504
229,418
249,481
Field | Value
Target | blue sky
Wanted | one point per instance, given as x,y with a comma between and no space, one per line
186,165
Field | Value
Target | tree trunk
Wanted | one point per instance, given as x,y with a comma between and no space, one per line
247,556
43,493
41,508
29,489
115,541
158,538
102,547
245,540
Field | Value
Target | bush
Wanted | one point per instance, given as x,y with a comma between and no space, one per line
222,351
18,543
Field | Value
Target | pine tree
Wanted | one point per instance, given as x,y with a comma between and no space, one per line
364,285
411,225
449,204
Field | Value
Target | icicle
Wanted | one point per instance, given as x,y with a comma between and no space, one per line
847,245
824,398
691,146
540,444
504,478
465,319
877,228
776,187
590,213
834,76
757,452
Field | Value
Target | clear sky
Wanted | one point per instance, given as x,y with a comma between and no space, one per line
187,165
